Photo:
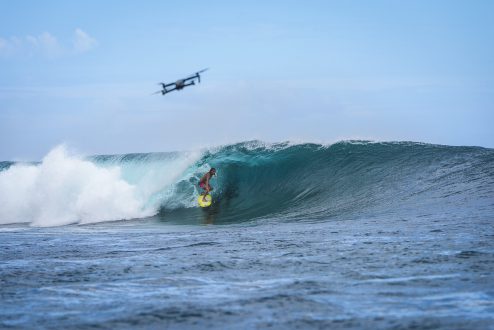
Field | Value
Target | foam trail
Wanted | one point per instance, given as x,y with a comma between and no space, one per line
65,189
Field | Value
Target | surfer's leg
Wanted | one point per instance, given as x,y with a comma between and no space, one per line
206,192
203,186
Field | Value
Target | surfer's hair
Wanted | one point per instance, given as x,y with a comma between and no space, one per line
212,169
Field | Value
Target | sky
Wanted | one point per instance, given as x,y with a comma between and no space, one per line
82,73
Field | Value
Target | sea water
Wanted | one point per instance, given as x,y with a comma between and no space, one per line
351,235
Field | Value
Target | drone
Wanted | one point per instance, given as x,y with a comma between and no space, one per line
181,83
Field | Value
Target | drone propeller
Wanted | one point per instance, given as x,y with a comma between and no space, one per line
198,76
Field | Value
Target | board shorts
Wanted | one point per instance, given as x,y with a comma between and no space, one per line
202,185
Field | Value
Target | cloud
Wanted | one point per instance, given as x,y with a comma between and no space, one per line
46,45
83,42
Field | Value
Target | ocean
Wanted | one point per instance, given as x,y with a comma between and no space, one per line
350,235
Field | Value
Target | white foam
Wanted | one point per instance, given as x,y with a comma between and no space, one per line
65,189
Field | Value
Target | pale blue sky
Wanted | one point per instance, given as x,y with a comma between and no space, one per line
81,73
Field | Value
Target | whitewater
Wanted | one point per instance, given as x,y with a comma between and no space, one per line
355,234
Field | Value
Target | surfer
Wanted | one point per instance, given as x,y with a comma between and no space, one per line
204,182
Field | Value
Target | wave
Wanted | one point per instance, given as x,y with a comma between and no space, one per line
281,181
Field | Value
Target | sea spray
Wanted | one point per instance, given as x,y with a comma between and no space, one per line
65,189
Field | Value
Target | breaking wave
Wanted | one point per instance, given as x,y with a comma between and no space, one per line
256,181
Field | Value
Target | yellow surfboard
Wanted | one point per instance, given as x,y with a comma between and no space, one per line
205,203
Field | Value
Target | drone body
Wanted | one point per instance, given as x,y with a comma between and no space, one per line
181,83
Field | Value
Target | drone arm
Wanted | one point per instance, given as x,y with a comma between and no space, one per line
190,78
169,90
166,85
